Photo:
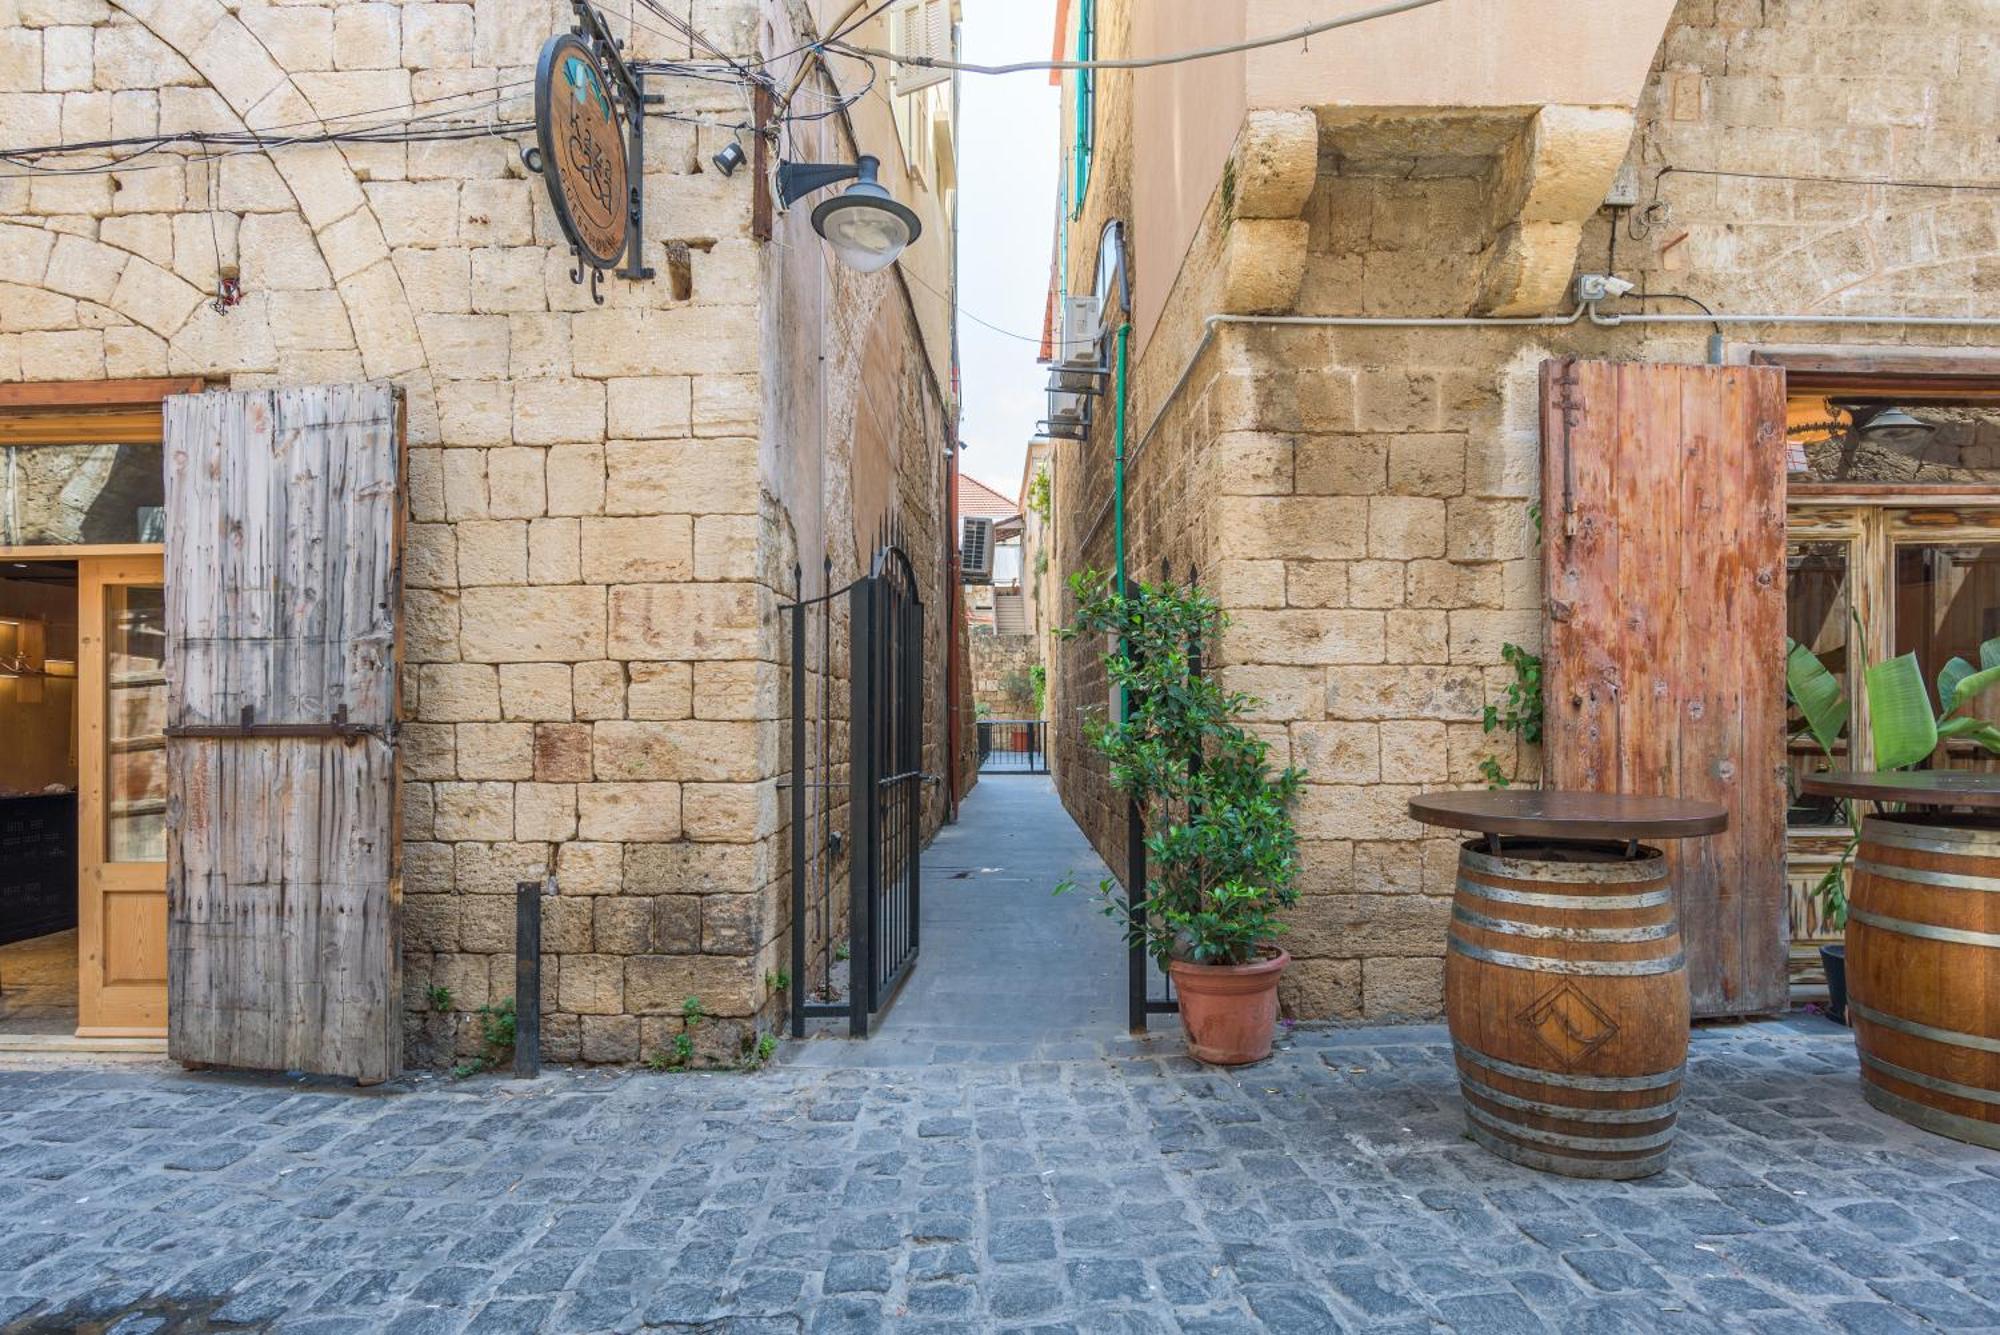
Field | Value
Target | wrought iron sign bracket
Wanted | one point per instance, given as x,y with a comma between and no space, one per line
627,95
632,89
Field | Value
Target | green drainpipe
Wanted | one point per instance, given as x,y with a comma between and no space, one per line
1118,479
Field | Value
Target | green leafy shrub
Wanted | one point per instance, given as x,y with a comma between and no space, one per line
1221,849
1522,712
1901,725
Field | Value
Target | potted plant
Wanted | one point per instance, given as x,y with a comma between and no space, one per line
1221,850
1904,733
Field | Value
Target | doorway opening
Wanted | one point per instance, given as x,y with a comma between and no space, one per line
38,798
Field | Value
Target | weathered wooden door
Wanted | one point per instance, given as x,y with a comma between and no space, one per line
284,587
121,979
1663,503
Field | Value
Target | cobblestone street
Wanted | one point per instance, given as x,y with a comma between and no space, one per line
1124,1190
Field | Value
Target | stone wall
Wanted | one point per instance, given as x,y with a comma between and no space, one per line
600,527
1001,687
1361,499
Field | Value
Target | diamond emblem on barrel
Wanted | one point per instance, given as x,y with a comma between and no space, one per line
1569,1024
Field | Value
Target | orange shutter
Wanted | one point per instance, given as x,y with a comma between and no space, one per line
1663,531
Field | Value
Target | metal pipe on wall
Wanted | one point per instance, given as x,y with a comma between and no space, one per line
1598,318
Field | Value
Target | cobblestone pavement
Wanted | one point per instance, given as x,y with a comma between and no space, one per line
937,1188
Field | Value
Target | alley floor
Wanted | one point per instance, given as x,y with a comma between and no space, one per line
949,1176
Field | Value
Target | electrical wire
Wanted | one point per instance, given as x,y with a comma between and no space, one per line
845,29
399,130
1149,62
695,38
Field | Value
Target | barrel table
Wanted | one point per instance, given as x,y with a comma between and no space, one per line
1564,983
1923,947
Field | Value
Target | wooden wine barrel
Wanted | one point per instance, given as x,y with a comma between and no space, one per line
1567,997
1923,971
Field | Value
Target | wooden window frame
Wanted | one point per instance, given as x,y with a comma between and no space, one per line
1872,518
88,412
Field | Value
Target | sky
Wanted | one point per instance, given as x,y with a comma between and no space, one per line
1006,212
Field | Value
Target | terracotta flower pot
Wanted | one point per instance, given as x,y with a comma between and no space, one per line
1229,1011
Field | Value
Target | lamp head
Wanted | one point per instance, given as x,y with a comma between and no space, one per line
1890,426
866,227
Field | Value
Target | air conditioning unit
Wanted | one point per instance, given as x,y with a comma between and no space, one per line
1082,320
975,549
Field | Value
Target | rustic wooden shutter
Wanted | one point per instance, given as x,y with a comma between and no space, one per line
1663,494
284,588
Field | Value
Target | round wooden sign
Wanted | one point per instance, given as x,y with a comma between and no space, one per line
582,135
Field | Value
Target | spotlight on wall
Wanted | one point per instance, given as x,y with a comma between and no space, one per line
729,159
866,227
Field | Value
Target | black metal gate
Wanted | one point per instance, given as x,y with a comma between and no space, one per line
886,781
1013,746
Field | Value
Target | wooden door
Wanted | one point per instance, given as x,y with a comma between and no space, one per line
284,587
121,814
1663,494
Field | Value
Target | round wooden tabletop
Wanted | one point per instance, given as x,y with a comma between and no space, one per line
1549,814
1917,788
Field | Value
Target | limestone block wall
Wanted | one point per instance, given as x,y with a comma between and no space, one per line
1363,499
596,546
1000,686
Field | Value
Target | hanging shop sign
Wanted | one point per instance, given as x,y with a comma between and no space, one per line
589,133
582,137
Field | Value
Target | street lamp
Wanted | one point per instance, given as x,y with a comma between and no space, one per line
865,226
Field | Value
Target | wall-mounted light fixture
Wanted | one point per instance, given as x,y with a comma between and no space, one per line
1889,426
865,226
729,159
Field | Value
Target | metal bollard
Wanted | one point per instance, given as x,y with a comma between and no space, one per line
528,976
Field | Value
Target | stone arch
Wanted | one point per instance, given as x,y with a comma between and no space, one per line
326,194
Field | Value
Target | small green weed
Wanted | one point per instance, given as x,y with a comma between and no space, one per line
496,1037
439,996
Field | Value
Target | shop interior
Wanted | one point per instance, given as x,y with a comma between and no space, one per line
38,798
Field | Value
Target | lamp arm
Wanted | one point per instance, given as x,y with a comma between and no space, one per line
796,180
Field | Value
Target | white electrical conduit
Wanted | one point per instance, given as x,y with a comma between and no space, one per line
1589,308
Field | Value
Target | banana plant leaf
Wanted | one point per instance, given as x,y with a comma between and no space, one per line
1817,694
1975,729
1899,713
1959,683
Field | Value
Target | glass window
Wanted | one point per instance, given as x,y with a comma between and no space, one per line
1947,605
135,717
52,495
1818,602
1876,441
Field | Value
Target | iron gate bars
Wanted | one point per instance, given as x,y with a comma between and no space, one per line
885,790
1013,746
886,777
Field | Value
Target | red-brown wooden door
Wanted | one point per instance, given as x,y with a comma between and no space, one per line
1663,531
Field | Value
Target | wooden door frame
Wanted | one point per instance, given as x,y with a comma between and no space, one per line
97,876
1864,515
91,412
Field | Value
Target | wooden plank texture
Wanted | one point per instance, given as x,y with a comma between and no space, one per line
1664,558
283,573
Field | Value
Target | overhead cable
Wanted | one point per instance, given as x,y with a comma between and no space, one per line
1146,62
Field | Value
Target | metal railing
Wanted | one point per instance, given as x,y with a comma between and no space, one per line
1013,746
